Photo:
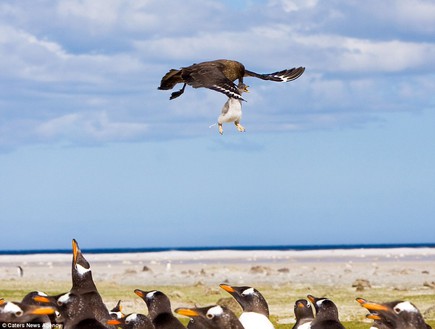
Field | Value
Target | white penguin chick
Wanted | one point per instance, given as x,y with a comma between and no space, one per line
232,110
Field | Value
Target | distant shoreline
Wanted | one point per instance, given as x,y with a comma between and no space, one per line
216,248
404,267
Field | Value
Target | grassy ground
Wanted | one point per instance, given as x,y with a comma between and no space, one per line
280,298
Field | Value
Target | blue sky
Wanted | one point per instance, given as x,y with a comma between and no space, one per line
90,149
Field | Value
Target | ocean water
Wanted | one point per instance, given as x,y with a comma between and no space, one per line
205,248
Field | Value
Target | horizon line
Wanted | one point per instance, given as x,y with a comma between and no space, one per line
210,248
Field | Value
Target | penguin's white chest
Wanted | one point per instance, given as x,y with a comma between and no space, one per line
232,111
252,320
306,325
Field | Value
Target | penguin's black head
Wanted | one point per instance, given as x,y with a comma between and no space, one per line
214,316
157,302
81,272
396,313
250,299
132,321
377,313
31,298
409,314
325,308
303,309
116,312
80,264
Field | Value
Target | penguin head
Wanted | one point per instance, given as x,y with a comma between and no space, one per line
250,299
382,313
214,316
116,312
81,272
303,309
80,264
132,321
157,302
408,314
31,298
325,308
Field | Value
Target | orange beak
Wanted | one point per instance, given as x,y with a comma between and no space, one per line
373,316
41,299
140,293
300,305
374,306
113,322
226,287
311,298
43,311
187,312
76,250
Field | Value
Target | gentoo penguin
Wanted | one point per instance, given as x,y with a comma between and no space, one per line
326,314
132,321
232,111
396,314
29,298
211,317
84,300
73,311
379,322
82,304
16,312
303,313
159,309
255,313
42,299
32,299
219,75
198,322
116,312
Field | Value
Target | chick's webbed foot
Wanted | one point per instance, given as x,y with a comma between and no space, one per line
239,127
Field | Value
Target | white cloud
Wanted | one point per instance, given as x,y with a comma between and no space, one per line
294,5
95,126
99,14
389,56
414,15
28,57
338,53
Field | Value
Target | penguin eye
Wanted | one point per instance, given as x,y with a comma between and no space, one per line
59,303
57,314
210,316
18,313
397,310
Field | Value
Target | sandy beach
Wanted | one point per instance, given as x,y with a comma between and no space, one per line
401,267
282,275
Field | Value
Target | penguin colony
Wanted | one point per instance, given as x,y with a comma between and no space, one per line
82,308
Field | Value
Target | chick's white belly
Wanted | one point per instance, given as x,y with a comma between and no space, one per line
234,112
